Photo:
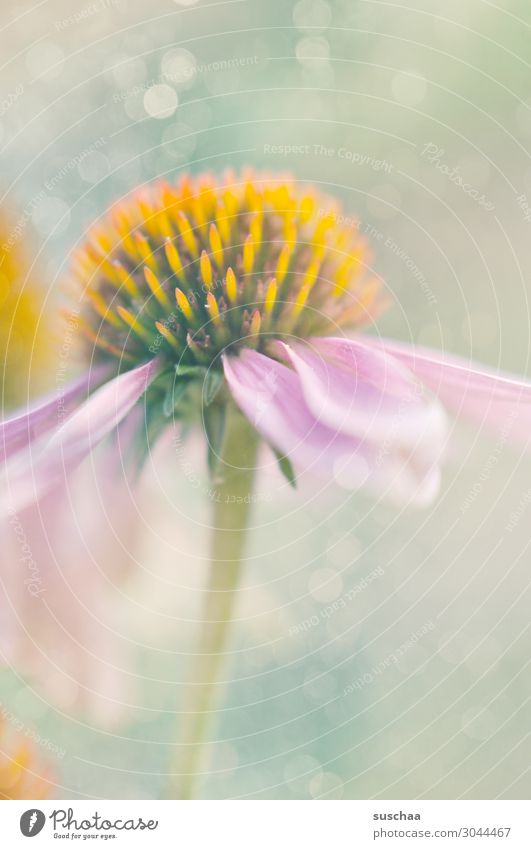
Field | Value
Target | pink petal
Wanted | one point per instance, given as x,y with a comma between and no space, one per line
271,396
499,400
59,611
366,394
45,414
45,463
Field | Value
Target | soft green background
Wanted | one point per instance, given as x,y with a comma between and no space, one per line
381,80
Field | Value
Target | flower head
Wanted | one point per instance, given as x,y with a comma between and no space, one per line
194,270
199,295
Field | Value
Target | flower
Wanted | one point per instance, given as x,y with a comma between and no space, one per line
71,649
22,773
198,293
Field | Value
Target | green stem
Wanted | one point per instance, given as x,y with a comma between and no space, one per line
232,497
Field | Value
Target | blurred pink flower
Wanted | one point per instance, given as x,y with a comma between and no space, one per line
67,557
64,555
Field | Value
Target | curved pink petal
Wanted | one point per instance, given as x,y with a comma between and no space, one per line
499,400
46,462
366,394
271,396
46,413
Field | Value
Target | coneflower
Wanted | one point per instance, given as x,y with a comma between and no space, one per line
229,303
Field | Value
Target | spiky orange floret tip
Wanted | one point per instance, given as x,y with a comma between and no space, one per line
187,270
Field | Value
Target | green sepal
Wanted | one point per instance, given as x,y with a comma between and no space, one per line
286,468
174,395
183,370
212,384
151,427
